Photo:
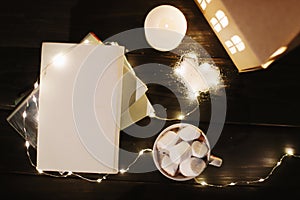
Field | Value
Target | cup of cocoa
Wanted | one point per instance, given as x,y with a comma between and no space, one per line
182,152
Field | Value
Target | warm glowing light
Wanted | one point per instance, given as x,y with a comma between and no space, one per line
240,46
220,21
230,46
152,114
24,115
36,85
59,60
267,64
235,44
231,184
278,163
237,41
180,117
99,180
279,51
216,24
222,18
27,144
122,171
203,183
34,99
289,151
141,153
203,3
163,22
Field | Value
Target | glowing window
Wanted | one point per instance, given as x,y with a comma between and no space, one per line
220,21
230,46
235,44
203,3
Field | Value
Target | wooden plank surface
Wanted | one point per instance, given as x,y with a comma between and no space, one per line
262,106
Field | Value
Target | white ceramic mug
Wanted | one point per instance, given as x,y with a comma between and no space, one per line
158,153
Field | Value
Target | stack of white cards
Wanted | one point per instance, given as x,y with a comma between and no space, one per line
81,105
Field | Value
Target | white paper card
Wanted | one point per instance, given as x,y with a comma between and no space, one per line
132,109
80,108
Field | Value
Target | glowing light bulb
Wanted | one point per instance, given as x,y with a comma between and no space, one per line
278,163
99,180
203,183
289,151
27,144
141,153
36,85
152,114
180,117
24,115
34,99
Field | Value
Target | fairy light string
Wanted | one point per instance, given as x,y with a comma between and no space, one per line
67,174
33,98
289,153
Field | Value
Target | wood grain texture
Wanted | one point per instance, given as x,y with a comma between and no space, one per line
262,106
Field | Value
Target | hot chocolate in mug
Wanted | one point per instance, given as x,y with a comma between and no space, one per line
182,152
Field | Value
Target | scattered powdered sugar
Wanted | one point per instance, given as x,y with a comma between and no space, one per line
198,76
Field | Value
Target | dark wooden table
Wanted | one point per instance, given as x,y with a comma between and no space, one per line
262,116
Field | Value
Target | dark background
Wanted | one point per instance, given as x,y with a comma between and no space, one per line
262,106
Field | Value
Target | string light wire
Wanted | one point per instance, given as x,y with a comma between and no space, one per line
289,152
249,182
179,117
67,174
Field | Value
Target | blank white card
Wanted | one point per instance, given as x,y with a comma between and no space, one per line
79,108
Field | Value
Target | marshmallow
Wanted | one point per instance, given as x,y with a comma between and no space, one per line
188,133
192,167
199,149
168,166
180,152
167,140
215,161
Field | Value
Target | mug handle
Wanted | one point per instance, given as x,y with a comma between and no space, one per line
215,161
